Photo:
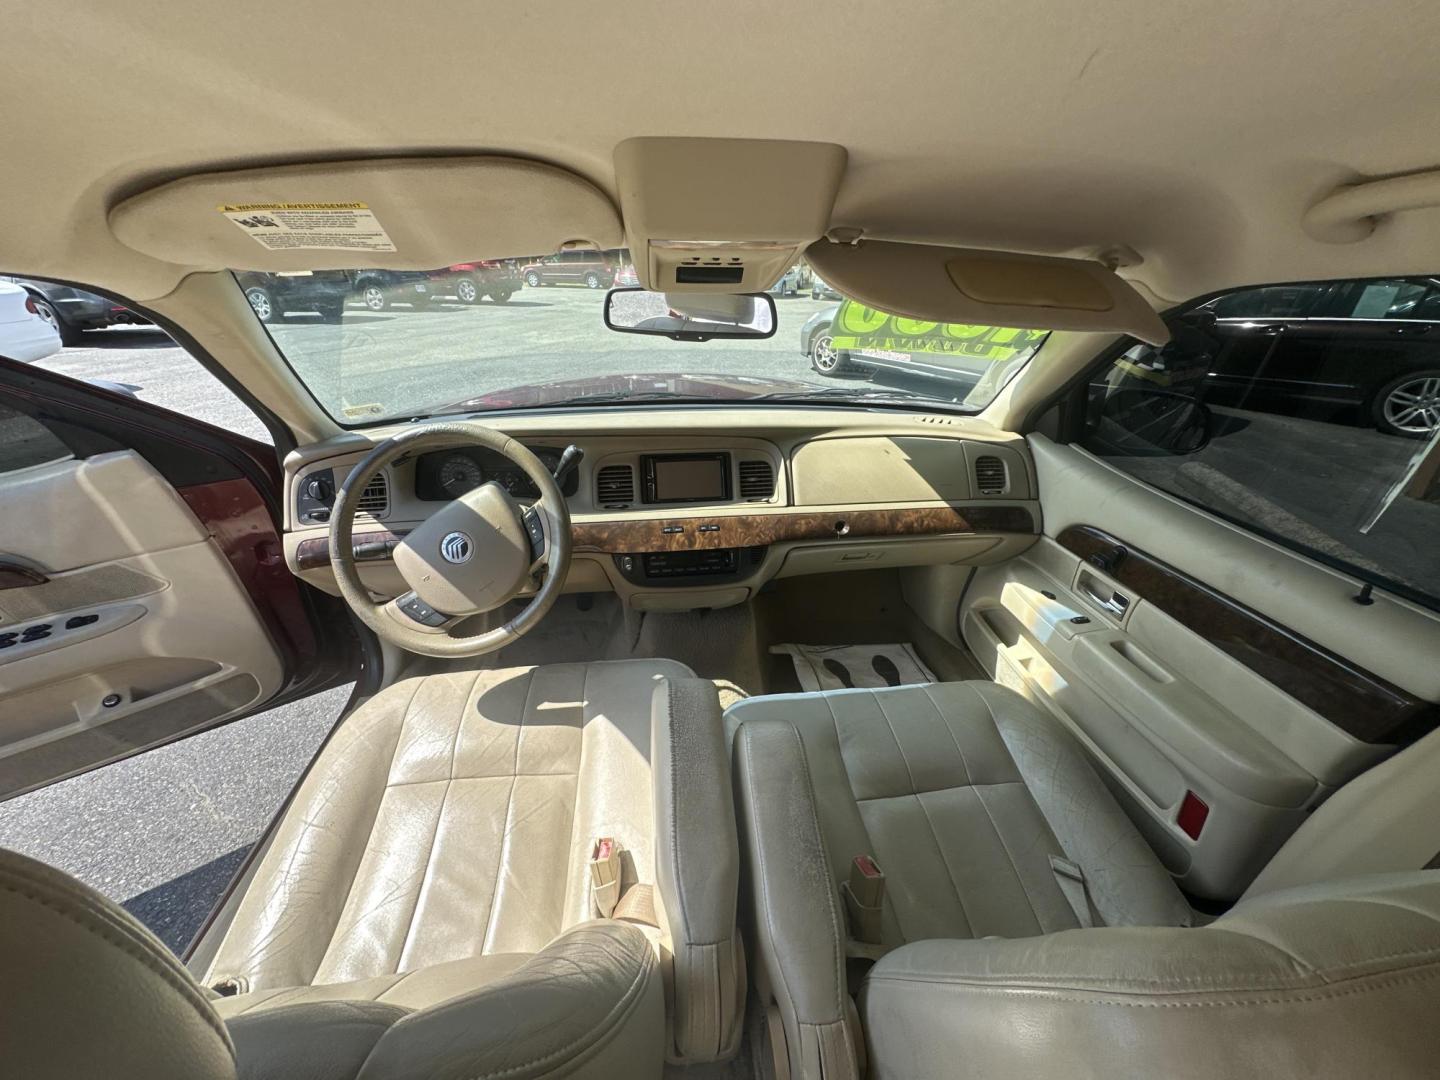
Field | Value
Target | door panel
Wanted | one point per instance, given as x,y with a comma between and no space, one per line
141,632
143,590
1206,660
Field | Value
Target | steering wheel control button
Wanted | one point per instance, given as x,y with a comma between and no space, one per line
456,547
536,532
420,611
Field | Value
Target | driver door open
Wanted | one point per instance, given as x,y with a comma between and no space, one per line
144,594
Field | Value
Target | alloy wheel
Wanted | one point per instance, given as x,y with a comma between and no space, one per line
374,298
466,291
1414,406
260,302
824,355
46,312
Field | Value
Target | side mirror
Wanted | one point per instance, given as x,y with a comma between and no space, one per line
1142,422
1201,318
685,316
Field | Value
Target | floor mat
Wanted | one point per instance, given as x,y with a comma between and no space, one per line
836,667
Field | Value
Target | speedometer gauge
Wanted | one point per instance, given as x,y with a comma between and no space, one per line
458,474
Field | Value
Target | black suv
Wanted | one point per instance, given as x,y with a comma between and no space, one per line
274,296
593,269
378,289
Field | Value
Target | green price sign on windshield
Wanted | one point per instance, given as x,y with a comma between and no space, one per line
862,329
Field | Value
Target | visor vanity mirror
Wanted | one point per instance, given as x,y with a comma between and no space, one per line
683,316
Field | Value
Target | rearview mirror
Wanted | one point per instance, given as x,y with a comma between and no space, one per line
687,316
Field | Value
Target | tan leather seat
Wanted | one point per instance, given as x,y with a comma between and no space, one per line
87,992
990,823
441,845
1328,981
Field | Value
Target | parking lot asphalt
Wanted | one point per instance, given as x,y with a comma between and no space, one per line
406,361
161,832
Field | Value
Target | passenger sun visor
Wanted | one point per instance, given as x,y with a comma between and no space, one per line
990,288
397,213
723,215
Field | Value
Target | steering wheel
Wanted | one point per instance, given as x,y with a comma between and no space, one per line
473,554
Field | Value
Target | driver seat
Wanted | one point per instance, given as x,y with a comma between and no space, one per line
441,843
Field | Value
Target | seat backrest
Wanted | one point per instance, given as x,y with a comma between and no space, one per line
85,990
1329,981
1386,820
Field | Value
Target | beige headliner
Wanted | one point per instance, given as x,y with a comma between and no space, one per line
1196,134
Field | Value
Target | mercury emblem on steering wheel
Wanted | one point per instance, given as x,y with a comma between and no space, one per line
456,547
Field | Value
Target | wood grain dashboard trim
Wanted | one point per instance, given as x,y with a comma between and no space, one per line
313,554
634,535
631,536
1357,701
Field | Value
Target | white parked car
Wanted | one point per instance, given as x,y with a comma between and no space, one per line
24,334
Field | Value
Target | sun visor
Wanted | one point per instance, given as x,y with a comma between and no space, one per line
723,215
398,213
991,288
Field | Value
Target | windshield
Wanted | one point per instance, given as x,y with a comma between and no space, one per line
376,345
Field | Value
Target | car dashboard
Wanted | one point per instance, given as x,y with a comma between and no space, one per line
679,509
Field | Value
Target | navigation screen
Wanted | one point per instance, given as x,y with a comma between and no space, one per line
689,479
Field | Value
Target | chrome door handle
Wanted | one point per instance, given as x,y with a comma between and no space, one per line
1116,604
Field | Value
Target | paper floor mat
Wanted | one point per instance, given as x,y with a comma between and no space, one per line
836,667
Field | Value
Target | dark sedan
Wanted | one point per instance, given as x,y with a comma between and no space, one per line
1357,352
72,311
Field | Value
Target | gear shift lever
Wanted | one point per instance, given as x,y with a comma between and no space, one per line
568,463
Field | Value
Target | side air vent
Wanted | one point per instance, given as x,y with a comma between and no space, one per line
375,499
990,475
757,480
615,485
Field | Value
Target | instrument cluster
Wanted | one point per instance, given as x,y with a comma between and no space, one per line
448,474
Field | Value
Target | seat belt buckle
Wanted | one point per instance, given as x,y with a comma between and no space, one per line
605,875
231,985
864,895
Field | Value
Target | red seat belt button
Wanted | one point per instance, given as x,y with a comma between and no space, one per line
1193,812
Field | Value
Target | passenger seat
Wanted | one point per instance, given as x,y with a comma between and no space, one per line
910,826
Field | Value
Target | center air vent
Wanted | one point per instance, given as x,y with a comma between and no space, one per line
375,499
990,475
615,485
757,480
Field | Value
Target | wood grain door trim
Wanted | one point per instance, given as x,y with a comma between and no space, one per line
1357,701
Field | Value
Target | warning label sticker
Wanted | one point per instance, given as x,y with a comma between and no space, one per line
310,226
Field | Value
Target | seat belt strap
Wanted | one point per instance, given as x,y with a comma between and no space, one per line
637,905
1071,880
